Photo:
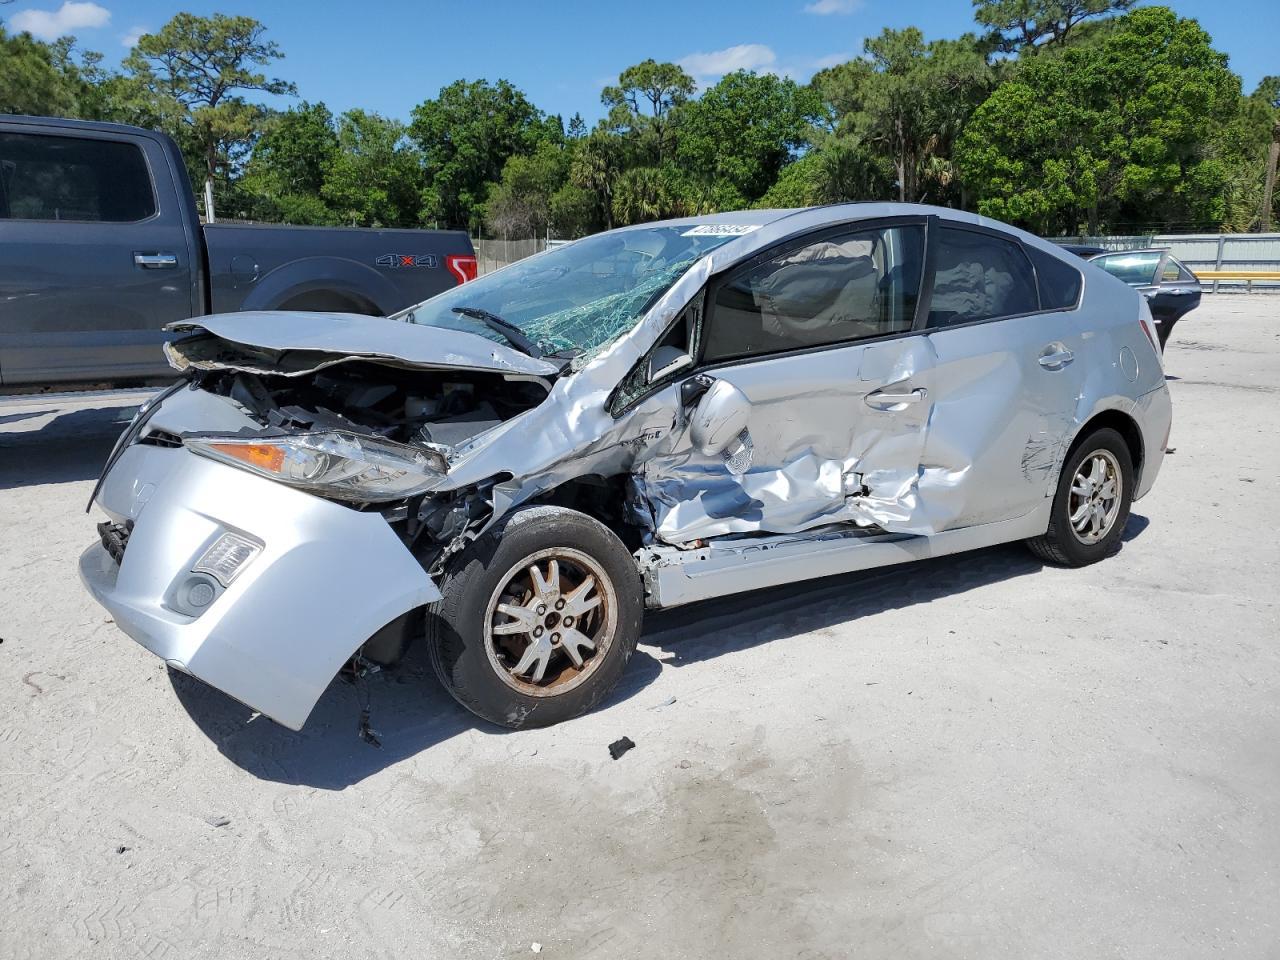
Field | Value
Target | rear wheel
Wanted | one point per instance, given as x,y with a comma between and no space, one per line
1091,505
538,619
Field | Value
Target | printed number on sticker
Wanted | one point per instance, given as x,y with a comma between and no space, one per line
721,230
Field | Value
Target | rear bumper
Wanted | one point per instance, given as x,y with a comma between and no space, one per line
326,579
1154,413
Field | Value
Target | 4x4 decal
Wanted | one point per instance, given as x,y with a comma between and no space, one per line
398,260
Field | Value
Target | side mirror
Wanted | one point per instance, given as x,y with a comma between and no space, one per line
667,360
719,418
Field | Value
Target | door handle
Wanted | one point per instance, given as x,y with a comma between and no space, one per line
156,261
1057,358
879,400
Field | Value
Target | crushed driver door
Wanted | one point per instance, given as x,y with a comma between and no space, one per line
812,396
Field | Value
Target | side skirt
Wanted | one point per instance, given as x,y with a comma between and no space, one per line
733,565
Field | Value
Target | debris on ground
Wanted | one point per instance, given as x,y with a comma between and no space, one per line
366,732
122,849
619,747
217,820
665,703
535,947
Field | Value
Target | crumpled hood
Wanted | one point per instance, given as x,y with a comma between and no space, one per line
313,340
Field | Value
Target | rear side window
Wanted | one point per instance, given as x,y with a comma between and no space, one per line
1135,269
980,277
835,290
66,178
1059,282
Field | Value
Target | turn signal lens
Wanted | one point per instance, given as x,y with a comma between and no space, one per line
261,456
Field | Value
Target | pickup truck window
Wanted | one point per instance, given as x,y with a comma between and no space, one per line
66,178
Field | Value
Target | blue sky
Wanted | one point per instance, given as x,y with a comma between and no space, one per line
389,56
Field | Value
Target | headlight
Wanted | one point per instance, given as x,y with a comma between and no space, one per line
346,466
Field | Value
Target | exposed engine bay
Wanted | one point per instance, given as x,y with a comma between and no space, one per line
446,408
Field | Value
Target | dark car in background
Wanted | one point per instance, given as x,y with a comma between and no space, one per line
101,247
1171,289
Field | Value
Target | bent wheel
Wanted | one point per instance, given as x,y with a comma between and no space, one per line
538,618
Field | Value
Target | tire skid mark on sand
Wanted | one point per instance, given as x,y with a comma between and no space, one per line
106,922
216,902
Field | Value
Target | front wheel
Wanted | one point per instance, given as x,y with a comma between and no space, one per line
1091,505
538,618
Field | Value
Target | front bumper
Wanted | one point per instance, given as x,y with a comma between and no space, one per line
327,578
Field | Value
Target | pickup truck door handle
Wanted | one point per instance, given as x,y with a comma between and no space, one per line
880,400
156,261
1055,356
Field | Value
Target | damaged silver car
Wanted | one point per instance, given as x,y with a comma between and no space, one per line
516,469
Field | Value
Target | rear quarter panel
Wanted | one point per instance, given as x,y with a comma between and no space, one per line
1124,368
264,267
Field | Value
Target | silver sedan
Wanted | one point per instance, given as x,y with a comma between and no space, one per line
515,470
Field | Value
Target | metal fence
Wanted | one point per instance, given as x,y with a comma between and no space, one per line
1208,251
492,254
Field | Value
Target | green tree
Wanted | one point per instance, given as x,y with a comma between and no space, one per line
373,178
741,132
1026,25
595,168
838,171
193,70
1112,133
519,205
643,106
38,79
642,194
466,135
1262,111
285,175
907,101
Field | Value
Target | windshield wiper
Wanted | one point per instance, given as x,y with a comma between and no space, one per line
509,330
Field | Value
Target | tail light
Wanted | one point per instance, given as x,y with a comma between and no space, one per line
463,267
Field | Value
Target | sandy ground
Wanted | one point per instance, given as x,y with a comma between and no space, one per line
972,757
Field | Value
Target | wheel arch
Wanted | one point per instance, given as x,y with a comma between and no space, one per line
1123,424
599,496
317,277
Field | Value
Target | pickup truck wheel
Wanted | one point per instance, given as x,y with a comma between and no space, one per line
1091,505
538,618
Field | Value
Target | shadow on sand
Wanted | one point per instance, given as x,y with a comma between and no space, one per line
412,712
72,446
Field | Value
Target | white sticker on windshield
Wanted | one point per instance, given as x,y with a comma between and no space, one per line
721,230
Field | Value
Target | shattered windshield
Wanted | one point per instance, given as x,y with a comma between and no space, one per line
575,299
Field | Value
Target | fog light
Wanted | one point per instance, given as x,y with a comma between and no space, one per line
199,593
229,555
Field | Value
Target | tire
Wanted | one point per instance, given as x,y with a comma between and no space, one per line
1062,544
481,653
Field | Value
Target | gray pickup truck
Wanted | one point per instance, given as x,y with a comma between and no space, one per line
101,247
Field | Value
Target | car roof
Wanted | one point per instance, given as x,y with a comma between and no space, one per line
770,226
